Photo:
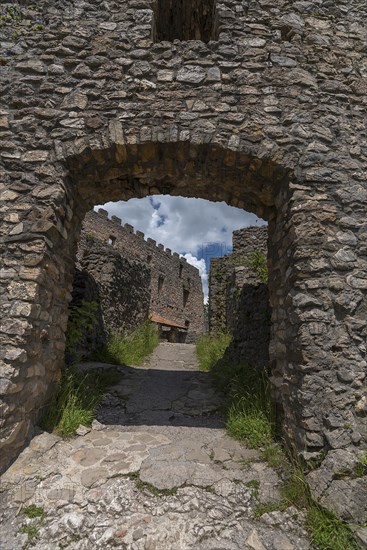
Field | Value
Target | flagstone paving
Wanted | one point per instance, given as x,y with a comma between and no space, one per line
156,471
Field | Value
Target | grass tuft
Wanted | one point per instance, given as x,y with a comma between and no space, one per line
31,531
131,349
274,455
211,348
76,400
247,422
250,410
328,532
33,511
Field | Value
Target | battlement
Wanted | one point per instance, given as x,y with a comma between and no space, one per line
175,287
120,234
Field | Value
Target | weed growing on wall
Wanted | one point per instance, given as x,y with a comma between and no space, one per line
131,349
82,319
258,262
19,22
210,349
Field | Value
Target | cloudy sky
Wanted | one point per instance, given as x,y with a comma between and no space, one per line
196,228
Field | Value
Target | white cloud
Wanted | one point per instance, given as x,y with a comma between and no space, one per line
200,265
185,225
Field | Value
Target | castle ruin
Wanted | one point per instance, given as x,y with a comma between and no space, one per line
239,297
151,282
261,105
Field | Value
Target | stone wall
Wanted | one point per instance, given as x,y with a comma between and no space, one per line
268,115
174,285
229,274
123,284
86,305
220,274
248,317
239,299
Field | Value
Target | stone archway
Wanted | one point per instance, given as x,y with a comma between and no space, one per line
96,111
109,168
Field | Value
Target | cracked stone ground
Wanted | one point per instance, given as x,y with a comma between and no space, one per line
156,472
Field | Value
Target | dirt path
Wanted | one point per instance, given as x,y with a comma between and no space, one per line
156,472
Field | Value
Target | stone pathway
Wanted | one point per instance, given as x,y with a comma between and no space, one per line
156,472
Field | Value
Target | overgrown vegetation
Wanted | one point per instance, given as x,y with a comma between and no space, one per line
250,411
210,349
251,418
258,262
131,349
76,400
82,319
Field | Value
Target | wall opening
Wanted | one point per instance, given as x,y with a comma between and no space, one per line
184,20
160,283
186,295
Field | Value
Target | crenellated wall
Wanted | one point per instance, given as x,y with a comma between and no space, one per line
175,289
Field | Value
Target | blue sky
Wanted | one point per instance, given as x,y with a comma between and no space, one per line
195,228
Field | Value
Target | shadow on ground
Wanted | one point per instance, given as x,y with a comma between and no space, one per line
161,398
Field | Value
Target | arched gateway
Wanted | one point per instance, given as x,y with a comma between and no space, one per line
267,114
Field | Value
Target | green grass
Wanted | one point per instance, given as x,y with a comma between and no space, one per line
248,422
33,511
274,455
254,485
250,412
251,418
328,532
81,321
258,262
31,530
210,349
76,400
145,486
131,349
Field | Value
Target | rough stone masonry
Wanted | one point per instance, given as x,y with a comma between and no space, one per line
153,279
239,297
266,111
